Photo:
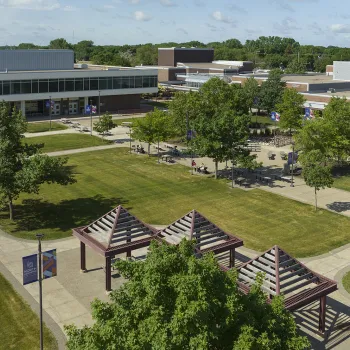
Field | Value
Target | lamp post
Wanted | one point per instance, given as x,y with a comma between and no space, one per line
99,104
292,181
91,117
130,137
50,111
40,236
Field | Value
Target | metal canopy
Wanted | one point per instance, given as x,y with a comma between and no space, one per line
285,275
208,236
116,232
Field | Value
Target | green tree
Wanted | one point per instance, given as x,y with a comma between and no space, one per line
291,110
22,167
251,91
315,171
83,50
271,91
296,67
60,44
105,124
174,300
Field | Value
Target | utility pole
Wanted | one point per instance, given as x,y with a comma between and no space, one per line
40,237
91,117
99,104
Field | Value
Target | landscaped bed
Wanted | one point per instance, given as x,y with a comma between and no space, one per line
19,325
65,142
160,194
45,126
346,282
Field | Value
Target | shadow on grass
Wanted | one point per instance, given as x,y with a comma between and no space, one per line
35,214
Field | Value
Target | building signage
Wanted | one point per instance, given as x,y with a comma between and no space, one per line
30,269
49,264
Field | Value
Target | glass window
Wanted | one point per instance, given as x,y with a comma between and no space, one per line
86,83
6,88
93,83
117,83
35,87
132,82
15,87
79,84
125,83
0,87
138,82
26,87
145,82
154,81
61,85
69,85
43,86
103,83
53,85
110,83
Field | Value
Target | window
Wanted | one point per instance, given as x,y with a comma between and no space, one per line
117,83
79,84
26,87
103,83
109,83
125,83
6,88
132,82
43,86
0,87
69,85
146,82
93,83
154,81
15,87
53,85
61,85
86,83
138,82
35,87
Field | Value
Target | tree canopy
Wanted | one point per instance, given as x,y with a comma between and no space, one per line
174,300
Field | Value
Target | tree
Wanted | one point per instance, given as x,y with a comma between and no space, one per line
291,110
271,91
174,300
315,171
296,67
156,126
22,167
104,124
60,44
83,50
251,90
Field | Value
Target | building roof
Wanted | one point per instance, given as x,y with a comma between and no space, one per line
285,275
209,65
207,235
115,232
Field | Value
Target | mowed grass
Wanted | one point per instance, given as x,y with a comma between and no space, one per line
342,183
262,119
346,282
120,121
66,142
19,324
45,126
160,194
158,104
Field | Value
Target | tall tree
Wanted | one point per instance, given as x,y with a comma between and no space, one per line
315,171
251,91
105,124
60,43
83,50
174,300
271,91
22,168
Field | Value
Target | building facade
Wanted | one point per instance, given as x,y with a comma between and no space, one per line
66,92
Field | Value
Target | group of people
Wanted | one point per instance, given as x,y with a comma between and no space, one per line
140,149
201,169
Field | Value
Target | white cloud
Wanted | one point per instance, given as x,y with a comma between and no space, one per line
286,26
69,8
168,3
220,17
39,5
340,28
134,2
141,16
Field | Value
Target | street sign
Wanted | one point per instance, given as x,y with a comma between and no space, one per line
30,269
49,264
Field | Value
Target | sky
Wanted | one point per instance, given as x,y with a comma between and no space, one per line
119,22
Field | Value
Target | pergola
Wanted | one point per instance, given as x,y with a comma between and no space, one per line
114,233
285,275
208,237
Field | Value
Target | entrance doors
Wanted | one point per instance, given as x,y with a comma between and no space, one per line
56,108
73,107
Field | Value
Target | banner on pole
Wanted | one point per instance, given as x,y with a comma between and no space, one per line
30,269
87,109
94,109
275,116
191,134
292,157
49,264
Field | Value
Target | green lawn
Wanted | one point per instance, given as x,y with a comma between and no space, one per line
262,120
119,121
342,183
66,141
45,126
19,324
158,104
346,282
159,194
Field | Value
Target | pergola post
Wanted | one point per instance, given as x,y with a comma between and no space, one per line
108,274
232,258
82,257
322,315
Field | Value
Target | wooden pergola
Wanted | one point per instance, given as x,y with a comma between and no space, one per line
208,237
285,275
114,233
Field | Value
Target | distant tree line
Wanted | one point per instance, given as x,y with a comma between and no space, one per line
266,52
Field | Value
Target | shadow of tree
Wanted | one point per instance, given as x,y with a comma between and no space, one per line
36,214
339,206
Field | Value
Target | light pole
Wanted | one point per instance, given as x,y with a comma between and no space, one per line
130,137
40,236
90,117
292,181
50,111
99,104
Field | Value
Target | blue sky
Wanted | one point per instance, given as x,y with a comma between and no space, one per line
118,22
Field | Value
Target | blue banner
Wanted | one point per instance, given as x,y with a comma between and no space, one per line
49,264
190,134
87,109
47,104
292,159
30,269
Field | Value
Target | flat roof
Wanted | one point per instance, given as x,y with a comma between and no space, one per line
312,79
208,65
339,93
